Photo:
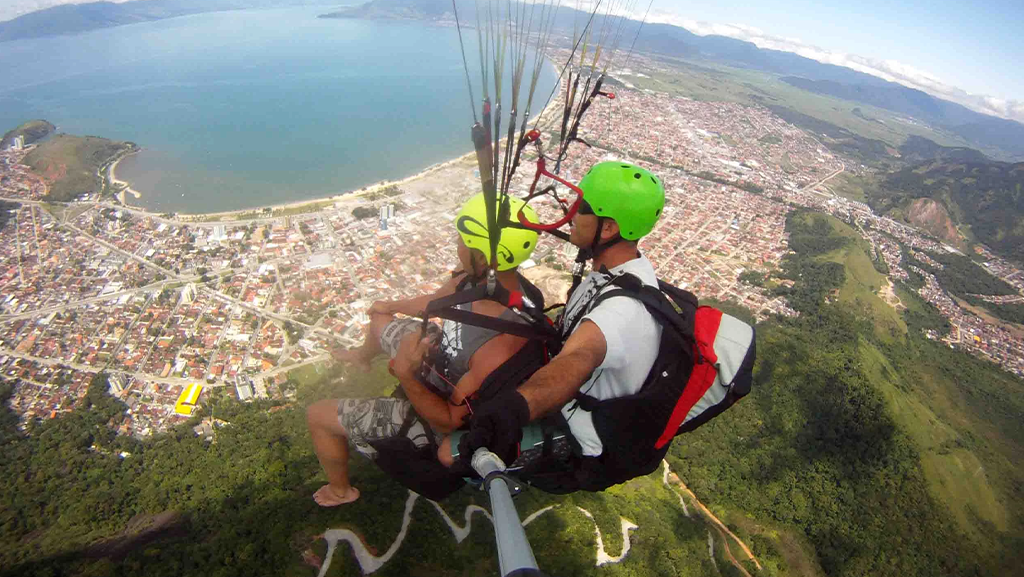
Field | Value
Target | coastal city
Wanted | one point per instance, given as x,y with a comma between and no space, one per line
163,302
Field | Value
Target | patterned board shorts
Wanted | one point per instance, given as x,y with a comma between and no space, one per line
367,420
392,335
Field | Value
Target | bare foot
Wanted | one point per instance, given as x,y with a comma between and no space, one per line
354,357
328,496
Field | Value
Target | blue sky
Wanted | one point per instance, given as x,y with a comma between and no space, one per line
976,45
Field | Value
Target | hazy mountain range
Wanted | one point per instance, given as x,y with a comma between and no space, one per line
980,130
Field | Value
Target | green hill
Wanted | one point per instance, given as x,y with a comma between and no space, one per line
33,131
831,264
859,291
81,17
998,135
74,165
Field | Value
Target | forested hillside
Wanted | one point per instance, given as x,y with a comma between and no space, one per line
892,456
80,501
83,16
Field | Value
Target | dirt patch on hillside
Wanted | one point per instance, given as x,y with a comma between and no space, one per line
932,216
888,294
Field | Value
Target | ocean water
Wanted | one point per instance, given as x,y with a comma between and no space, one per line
250,108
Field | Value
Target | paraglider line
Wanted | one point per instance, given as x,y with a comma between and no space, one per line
465,65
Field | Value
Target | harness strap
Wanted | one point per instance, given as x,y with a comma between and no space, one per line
461,297
682,298
410,417
589,305
497,293
538,328
656,303
493,323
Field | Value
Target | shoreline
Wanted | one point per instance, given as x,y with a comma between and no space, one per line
354,194
125,186
341,196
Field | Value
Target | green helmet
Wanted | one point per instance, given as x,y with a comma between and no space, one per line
515,245
626,193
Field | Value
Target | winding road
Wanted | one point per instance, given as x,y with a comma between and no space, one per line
369,563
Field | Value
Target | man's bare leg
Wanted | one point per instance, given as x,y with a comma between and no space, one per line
361,356
330,441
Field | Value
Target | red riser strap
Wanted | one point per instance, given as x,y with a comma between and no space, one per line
703,376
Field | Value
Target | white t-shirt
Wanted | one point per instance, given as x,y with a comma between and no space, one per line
632,336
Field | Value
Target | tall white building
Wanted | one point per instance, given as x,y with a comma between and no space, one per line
219,233
188,294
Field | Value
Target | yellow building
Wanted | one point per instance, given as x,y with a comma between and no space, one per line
187,401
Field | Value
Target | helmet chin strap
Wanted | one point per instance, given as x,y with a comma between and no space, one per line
596,248
478,276
593,251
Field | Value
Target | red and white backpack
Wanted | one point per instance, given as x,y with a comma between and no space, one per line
705,364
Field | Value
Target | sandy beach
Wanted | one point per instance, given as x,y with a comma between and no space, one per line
351,196
123,185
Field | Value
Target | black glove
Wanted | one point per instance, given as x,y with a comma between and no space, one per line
498,426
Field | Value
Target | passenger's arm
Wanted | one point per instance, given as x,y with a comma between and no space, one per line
445,416
557,382
414,306
407,362
498,424
442,416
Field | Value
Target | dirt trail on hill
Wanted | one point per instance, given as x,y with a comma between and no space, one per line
720,526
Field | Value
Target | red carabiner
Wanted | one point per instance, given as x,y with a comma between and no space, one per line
542,171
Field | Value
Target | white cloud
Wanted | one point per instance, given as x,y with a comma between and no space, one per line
890,70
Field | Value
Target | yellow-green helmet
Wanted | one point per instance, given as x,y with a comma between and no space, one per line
515,245
627,193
